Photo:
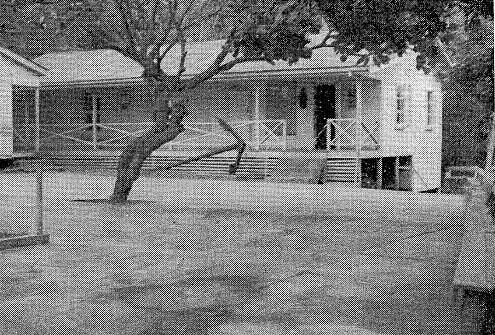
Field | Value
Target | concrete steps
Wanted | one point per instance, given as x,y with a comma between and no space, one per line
303,169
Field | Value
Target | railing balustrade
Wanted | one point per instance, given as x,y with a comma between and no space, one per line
347,133
340,134
271,134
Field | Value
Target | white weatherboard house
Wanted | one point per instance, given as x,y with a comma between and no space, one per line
375,126
19,80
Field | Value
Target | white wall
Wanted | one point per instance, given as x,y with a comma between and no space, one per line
10,74
17,74
414,138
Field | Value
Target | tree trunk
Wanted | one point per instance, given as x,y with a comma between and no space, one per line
167,127
489,179
490,145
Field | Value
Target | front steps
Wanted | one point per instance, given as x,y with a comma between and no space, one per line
250,168
306,168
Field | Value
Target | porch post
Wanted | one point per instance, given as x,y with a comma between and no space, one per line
95,115
338,111
359,119
37,119
257,95
26,122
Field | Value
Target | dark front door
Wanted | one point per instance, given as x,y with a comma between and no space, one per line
324,109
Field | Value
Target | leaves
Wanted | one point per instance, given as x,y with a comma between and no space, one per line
386,27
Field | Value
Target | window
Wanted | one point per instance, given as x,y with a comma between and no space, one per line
401,106
430,108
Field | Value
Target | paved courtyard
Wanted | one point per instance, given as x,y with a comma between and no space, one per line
228,257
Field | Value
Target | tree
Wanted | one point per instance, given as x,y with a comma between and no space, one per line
468,89
383,28
31,28
260,30
148,31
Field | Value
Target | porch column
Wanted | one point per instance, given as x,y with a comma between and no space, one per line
338,112
359,112
257,96
359,119
95,115
37,119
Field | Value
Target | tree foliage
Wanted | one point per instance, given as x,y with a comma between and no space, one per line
468,87
148,30
378,29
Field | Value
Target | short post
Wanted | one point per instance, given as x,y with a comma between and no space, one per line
94,119
39,198
328,134
284,134
359,177
379,173
397,173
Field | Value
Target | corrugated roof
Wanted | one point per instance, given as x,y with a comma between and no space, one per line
109,65
92,65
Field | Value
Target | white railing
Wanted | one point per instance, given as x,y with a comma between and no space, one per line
350,134
257,134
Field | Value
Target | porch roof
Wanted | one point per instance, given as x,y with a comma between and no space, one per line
107,66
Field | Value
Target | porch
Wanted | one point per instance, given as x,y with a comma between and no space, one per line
348,135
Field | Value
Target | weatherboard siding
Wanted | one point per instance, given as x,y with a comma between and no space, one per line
413,137
6,134
17,74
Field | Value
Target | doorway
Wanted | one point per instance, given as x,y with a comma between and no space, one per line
324,109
